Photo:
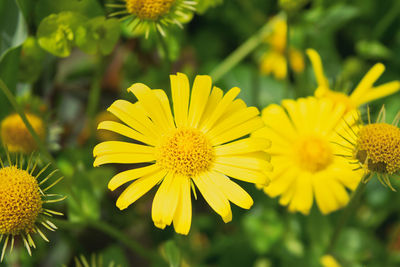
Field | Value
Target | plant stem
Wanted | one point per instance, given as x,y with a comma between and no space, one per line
95,87
240,53
21,113
346,214
164,47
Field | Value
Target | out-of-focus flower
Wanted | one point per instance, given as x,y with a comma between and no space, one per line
274,60
375,147
21,203
94,261
364,92
16,137
329,261
154,14
303,133
198,146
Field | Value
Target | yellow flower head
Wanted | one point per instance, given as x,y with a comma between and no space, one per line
21,204
376,148
198,146
364,92
16,137
329,261
303,133
154,14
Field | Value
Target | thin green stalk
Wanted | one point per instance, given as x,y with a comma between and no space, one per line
164,46
95,87
346,215
240,53
387,20
21,113
118,235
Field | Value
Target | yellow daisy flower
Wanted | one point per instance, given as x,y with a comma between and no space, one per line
274,61
16,137
364,92
198,146
154,14
21,203
375,147
304,135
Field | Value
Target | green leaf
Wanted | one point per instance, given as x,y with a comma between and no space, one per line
373,50
31,61
98,36
13,28
172,253
57,32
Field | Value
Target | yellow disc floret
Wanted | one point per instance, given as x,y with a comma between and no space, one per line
313,154
20,201
16,136
186,152
378,147
149,9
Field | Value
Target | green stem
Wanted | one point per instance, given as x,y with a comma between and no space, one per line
21,113
113,232
95,87
387,20
346,214
164,47
240,53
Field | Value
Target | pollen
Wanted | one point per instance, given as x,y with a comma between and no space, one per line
149,9
378,148
185,151
20,201
16,136
313,154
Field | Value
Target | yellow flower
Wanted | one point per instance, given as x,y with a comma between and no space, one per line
16,137
364,92
303,133
154,14
375,147
21,204
198,146
274,61
329,261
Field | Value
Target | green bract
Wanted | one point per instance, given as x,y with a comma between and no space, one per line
31,60
98,36
57,32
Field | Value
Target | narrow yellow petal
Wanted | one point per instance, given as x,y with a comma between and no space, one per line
303,195
198,100
318,68
247,175
166,199
238,131
183,214
130,175
367,82
246,145
214,197
281,180
138,188
232,191
125,158
165,105
119,147
378,92
180,96
125,131
213,100
244,162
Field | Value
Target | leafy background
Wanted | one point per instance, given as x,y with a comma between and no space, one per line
75,80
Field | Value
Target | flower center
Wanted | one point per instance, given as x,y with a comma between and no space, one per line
378,146
149,9
313,154
185,151
20,201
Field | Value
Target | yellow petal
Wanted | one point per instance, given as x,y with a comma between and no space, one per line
166,200
303,195
180,98
247,145
329,195
244,162
220,108
275,117
318,68
124,158
165,105
214,197
138,188
213,100
281,180
238,131
198,100
232,191
125,131
130,175
183,214
378,92
119,147
367,82
247,175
